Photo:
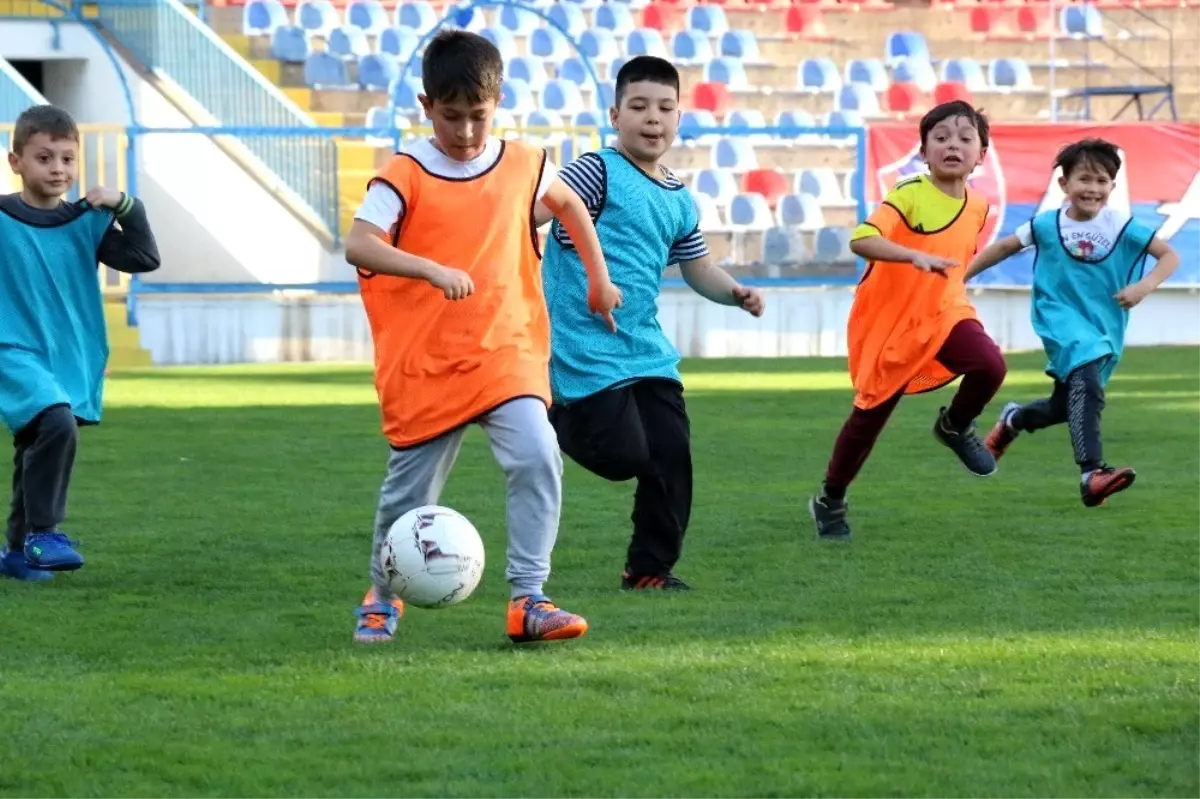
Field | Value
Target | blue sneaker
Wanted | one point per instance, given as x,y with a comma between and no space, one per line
377,620
51,552
14,566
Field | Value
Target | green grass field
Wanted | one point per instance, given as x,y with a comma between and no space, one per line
978,638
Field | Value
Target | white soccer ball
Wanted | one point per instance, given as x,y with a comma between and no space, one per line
432,557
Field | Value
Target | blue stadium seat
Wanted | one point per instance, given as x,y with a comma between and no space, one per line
590,118
289,44
574,70
646,41
734,153
520,22
317,17
369,15
845,119
745,118
691,121
608,93
783,246
615,65
819,74
323,70
348,42
739,44
691,47
707,19
404,93
1081,20
376,72
728,71
400,43
798,118
562,96
516,97
800,210
416,14
905,44
616,17
750,211
833,246
549,44
917,71
468,19
822,184
858,97
569,16
530,70
544,119
966,71
869,71
504,41
263,17
1010,73
599,44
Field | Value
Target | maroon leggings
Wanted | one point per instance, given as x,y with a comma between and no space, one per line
969,352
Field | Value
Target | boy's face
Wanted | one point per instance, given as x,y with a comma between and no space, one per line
1087,187
461,128
952,149
647,120
48,167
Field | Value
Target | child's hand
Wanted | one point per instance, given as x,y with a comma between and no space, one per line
454,283
932,263
749,300
100,197
602,299
1132,295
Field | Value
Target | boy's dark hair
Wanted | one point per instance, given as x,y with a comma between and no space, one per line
51,120
956,108
1096,153
459,65
646,68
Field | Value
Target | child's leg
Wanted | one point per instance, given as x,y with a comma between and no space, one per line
970,352
524,444
1016,418
17,526
603,434
46,448
662,505
1085,403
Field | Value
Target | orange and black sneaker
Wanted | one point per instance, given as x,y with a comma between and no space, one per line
377,620
1002,433
536,618
652,582
1099,484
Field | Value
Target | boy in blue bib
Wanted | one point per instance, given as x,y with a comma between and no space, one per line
1088,272
618,399
53,339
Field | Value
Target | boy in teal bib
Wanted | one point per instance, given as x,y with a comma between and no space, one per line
53,339
1087,274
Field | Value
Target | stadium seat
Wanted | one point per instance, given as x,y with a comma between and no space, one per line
710,214
966,71
1032,20
367,15
517,20
416,14
905,44
568,16
599,44
400,43
783,246
468,19
736,153
1010,73
905,98
750,212
348,42
748,118
656,17
548,44
562,96
608,93
845,119
530,70
707,19
503,39
376,72
858,97
949,92
615,65
1081,20
739,44
868,71
800,210
712,97
770,183
819,74
544,119
323,70
692,120
807,22
404,93
263,17
317,17
983,20
574,70
645,41
289,44
917,71
616,17
832,246
516,97
719,184
822,183
691,47
728,71
798,118
590,118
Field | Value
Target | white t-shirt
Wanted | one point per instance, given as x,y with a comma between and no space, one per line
382,208
1088,241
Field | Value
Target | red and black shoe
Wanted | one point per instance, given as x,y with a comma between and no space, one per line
1100,484
652,582
1002,433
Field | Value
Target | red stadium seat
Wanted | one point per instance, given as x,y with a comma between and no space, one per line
949,91
1032,19
711,96
982,20
806,21
904,98
770,183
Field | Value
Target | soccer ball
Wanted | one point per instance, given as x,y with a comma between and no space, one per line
432,557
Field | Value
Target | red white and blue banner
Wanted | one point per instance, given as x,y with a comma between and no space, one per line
1159,181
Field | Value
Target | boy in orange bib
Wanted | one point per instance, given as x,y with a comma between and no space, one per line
450,277
911,327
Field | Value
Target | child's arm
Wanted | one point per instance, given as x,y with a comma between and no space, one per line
570,210
878,248
716,285
131,248
993,254
1168,262
367,249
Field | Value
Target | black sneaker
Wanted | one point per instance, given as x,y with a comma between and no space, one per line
652,582
829,516
968,446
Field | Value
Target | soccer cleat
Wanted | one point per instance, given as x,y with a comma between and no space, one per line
966,445
1002,433
652,582
14,566
377,620
829,516
1100,484
52,552
536,618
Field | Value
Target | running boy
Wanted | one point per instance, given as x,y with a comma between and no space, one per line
448,271
1088,273
912,328
618,400
53,338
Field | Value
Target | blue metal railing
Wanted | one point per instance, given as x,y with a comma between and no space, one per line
16,93
176,45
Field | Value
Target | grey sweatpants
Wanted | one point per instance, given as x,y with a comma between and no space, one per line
526,448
